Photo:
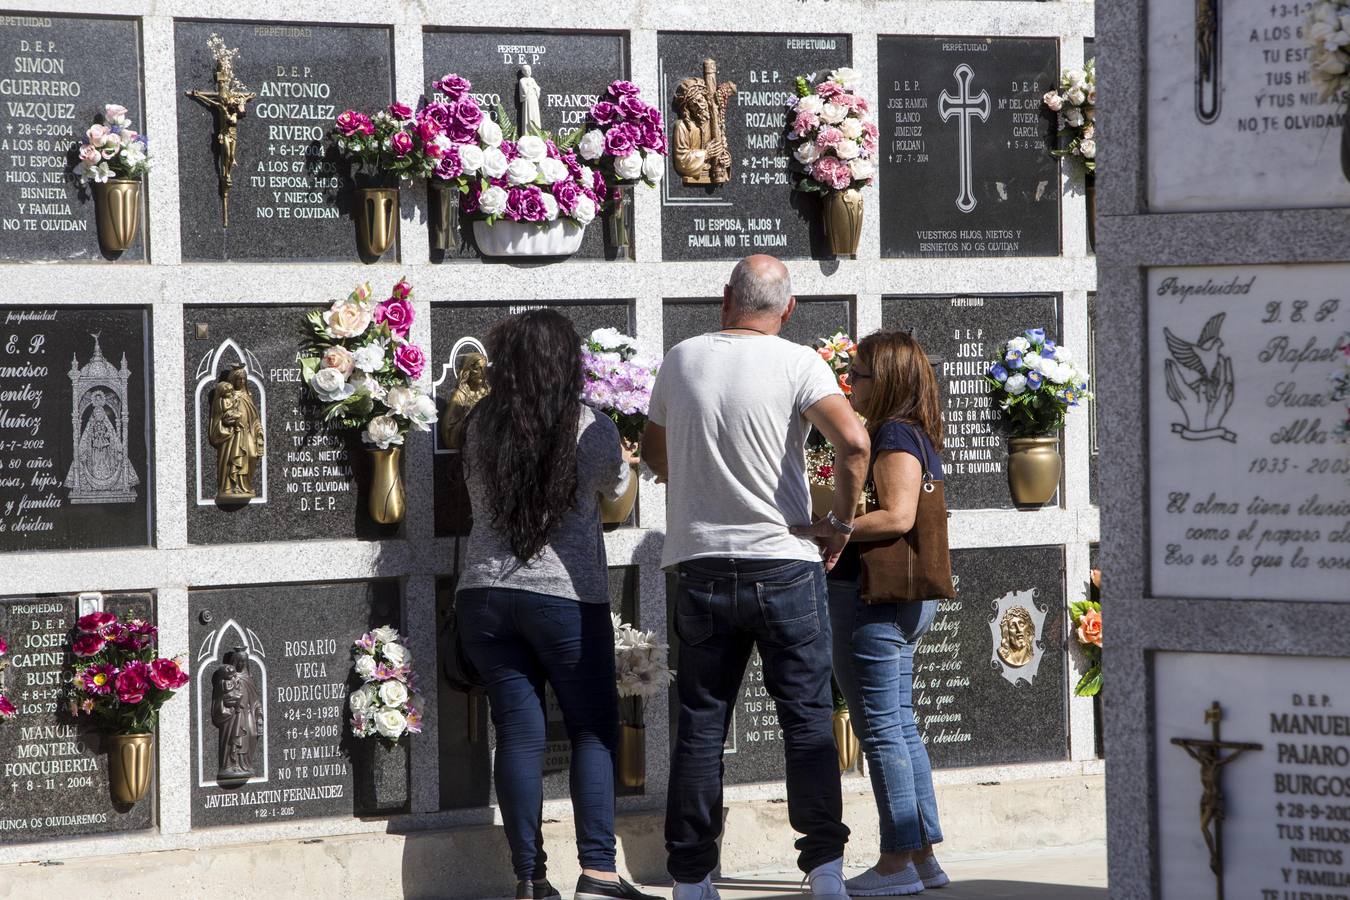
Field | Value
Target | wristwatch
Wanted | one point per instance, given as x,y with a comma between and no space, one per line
838,524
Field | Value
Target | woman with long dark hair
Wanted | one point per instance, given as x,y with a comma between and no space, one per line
533,600
895,391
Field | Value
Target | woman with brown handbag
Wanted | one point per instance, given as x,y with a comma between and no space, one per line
883,597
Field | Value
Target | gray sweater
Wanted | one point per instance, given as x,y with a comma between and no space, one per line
572,563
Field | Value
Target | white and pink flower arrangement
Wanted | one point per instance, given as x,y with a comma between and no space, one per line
832,135
7,708
1075,104
120,679
641,669
386,705
360,364
382,147
1328,35
112,148
624,137
618,380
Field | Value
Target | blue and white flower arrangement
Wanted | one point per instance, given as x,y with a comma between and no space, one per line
1034,382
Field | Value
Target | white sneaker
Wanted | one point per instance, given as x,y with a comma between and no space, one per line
703,890
827,880
873,884
931,873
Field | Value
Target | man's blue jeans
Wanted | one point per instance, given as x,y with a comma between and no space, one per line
874,665
724,608
518,640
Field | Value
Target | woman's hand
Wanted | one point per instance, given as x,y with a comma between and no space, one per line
630,452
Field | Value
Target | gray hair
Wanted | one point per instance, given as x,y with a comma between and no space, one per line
759,292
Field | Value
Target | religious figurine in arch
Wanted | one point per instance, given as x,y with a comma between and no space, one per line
100,470
470,387
236,433
229,102
1018,637
701,155
237,712
527,95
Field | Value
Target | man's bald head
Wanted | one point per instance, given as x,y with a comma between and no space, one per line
759,286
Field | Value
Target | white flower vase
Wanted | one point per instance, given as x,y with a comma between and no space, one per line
514,239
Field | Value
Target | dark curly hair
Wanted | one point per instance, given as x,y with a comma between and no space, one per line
525,429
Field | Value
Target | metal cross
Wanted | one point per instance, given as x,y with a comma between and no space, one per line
966,107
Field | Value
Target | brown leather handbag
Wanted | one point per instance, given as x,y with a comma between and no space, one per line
916,565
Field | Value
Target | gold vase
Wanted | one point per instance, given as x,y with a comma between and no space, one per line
117,208
386,500
616,512
443,215
130,764
376,220
1033,469
1090,191
845,741
633,756
843,221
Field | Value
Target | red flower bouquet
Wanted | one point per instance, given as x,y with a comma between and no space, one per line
120,680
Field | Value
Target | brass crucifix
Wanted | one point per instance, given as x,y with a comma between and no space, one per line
229,102
1210,755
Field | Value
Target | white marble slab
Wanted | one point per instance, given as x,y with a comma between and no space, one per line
1286,825
1248,489
1270,143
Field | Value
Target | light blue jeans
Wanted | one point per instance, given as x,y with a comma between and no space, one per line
874,666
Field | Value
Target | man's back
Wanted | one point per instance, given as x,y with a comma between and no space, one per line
732,407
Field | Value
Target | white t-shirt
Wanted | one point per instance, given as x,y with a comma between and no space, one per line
733,409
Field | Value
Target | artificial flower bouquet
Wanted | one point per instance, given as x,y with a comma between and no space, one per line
641,669
1328,35
360,364
1086,616
112,148
120,680
7,708
624,137
1034,382
838,351
1075,104
381,147
387,705
832,136
618,380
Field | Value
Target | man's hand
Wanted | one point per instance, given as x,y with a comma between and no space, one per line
832,541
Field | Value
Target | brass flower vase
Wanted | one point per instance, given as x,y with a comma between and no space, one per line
633,755
1090,191
386,501
616,217
845,741
1033,469
131,762
843,221
616,512
443,215
117,209
376,220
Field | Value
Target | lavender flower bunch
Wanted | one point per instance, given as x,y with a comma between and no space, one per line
618,380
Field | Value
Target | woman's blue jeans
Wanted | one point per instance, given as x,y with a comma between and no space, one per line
518,640
874,666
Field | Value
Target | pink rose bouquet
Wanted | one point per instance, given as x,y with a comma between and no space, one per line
361,366
112,148
120,679
386,705
383,146
832,136
1086,616
7,709
624,137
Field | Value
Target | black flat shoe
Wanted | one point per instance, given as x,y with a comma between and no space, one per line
589,888
536,890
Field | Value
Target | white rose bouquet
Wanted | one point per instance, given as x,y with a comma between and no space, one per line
1034,382
1075,103
386,705
832,136
112,148
641,670
1328,34
361,365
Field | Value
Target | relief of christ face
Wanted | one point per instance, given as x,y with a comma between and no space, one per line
1018,634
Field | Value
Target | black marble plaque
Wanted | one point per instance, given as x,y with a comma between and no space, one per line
298,639
572,68
815,317
461,328
979,701
53,772
757,211
980,182
57,75
291,197
312,479
961,336
75,461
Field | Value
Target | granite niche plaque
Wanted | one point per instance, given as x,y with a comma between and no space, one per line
271,671
961,336
966,168
989,674
570,71
53,772
815,317
308,481
75,462
757,211
53,82
458,346
290,196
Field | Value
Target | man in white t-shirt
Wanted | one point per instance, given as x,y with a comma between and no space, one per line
727,430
